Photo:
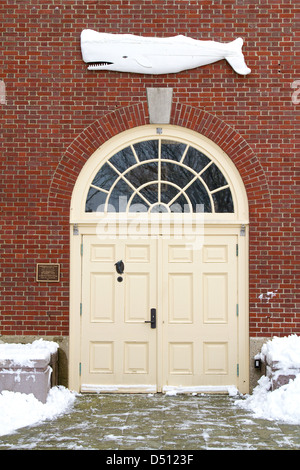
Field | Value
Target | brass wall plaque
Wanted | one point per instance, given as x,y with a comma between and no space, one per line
47,272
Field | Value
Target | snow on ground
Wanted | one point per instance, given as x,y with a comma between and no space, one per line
282,404
18,409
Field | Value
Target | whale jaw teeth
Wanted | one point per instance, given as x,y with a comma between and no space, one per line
98,65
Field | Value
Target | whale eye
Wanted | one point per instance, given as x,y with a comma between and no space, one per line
125,56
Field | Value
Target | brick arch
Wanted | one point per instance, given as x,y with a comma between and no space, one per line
196,119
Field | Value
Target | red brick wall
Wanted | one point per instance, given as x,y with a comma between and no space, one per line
57,113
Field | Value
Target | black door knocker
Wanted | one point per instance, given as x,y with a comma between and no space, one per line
120,269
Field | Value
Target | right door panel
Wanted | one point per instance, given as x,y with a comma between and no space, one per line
200,313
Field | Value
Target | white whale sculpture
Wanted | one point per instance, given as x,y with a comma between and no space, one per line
130,53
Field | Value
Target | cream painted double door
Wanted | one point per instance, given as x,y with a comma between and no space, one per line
192,292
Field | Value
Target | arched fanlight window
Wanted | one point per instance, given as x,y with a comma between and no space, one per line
159,175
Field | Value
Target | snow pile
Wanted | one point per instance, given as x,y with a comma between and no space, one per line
285,351
282,404
19,409
23,355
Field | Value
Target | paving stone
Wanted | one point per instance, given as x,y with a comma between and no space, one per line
156,422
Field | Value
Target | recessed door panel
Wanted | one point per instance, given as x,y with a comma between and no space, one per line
103,253
102,291
136,357
215,253
215,300
137,297
137,253
181,298
215,358
101,357
181,360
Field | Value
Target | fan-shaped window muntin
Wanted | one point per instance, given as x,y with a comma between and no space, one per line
159,175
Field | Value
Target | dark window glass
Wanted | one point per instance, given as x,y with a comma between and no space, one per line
176,174
119,197
198,195
167,192
180,204
146,150
223,201
213,177
138,204
195,159
123,159
105,177
95,201
143,173
172,150
150,192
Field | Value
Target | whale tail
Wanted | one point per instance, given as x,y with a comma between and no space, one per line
236,58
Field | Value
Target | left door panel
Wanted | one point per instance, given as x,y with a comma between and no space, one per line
118,349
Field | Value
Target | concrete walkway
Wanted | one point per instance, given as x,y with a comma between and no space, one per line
155,422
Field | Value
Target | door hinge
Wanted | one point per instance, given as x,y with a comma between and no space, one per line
238,370
80,308
80,368
75,229
237,249
237,310
81,249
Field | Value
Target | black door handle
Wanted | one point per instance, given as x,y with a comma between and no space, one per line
153,318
